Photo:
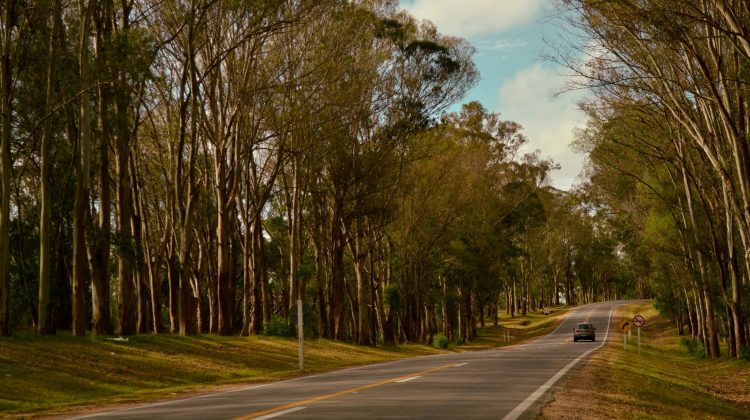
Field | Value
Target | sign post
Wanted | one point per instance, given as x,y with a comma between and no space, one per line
625,327
301,335
639,321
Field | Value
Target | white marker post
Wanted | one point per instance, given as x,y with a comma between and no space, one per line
301,335
625,327
639,321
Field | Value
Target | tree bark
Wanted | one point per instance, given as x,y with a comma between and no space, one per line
44,321
81,214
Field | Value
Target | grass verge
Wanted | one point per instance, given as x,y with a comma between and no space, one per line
520,328
51,375
664,381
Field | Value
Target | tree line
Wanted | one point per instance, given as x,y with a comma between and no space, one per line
668,137
199,166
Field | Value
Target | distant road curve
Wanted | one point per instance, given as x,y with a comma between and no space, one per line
504,383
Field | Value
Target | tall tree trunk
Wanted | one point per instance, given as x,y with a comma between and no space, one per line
225,297
261,299
336,301
321,277
44,320
9,22
152,263
99,244
186,184
188,320
363,287
363,315
247,278
126,252
81,214
174,288
143,291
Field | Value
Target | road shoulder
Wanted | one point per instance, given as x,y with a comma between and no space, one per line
664,381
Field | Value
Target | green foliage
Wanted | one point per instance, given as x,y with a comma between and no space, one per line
310,320
279,327
694,346
392,298
745,353
440,341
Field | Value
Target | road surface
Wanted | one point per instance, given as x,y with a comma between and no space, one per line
504,383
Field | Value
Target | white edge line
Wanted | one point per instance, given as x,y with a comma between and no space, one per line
411,378
462,364
547,385
279,413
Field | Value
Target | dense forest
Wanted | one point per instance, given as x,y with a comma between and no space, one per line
198,166
669,148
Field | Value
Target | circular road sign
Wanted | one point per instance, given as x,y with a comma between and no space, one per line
625,325
639,321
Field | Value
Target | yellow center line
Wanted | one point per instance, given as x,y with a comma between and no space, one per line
339,393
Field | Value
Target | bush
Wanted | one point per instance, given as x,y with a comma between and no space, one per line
278,327
689,344
745,353
694,346
440,341
310,317
525,322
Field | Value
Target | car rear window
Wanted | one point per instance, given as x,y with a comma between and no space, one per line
584,326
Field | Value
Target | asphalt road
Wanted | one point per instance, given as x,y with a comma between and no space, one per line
505,383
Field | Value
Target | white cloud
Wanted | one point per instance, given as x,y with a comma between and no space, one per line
468,18
500,45
530,99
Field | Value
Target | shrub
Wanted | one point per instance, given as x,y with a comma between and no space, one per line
689,343
525,322
310,317
745,353
440,341
278,327
694,346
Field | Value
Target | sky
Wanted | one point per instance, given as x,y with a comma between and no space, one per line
516,81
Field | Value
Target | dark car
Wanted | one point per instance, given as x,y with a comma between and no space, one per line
584,331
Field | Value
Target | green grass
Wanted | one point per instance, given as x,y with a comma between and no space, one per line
664,381
39,374
59,374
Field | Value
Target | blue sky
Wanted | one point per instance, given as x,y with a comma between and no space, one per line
515,80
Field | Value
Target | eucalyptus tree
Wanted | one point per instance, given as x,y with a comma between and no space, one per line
44,321
181,30
653,204
459,218
687,59
377,95
236,35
